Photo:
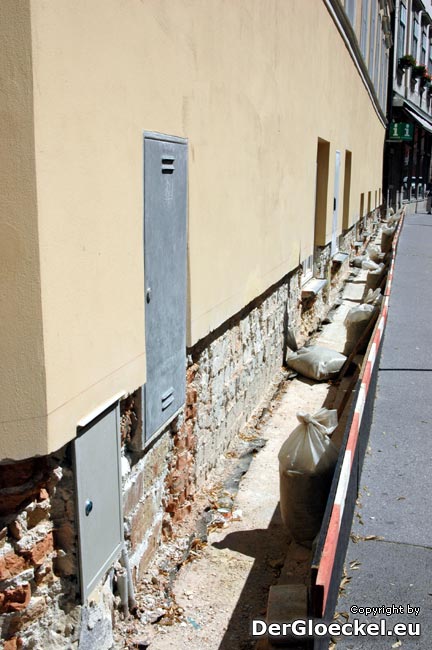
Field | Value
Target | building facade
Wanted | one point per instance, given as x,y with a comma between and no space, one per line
409,140
183,181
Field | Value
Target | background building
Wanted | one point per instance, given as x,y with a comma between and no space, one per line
408,149
245,140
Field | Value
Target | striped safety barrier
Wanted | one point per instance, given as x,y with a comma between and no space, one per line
326,565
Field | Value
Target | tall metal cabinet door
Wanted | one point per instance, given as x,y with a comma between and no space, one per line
99,512
165,209
334,246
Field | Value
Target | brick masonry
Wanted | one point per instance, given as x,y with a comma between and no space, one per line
38,553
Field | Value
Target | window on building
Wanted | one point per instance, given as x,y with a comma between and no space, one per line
377,53
373,16
423,45
347,191
385,78
364,24
383,75
321,193
401,49
350,7
430,56
415,34
307,269
382,82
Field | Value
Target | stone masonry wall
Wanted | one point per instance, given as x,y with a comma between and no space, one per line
233,373
143,502
230,376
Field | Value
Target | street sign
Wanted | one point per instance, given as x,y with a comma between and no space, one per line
401,131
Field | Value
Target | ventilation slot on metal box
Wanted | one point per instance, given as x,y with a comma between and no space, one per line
168,165
167,398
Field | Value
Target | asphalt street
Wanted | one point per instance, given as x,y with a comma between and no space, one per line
389,557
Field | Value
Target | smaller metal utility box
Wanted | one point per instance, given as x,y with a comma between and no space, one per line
98,497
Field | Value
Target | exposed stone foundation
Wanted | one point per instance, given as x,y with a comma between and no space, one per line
230,376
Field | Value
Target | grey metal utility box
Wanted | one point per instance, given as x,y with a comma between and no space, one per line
165,237
98,490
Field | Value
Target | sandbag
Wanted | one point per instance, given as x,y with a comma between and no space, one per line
375,254
373,297
369,265
358,261
373,279
316,362
306,464
387,235
394,219
356,321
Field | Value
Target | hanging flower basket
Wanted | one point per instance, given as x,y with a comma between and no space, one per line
406,61
424,81
418,72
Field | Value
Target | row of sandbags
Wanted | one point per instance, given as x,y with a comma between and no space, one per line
320,363
374,261
308,457
377,258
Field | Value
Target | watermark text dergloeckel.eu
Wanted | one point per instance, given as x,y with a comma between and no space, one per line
313,628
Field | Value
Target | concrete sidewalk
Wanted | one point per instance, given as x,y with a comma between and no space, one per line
393,565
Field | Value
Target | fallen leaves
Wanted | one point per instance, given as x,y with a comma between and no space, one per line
359,517
365,538
196,547
345,615
344,582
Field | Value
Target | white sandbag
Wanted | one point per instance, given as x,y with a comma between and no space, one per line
358,261
393,219
375,254
373,297
374,279
316,362
387,235
369,265
306,464
356,321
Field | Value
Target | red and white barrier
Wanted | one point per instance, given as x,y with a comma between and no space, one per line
327,560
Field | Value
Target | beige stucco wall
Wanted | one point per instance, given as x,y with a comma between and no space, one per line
252,85
22,401
89,182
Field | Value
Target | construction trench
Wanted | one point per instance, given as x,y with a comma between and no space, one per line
232,560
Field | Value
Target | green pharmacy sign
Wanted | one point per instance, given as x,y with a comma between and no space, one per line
401,131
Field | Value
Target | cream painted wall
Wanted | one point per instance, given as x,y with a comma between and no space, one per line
88,134
22,395
253,85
